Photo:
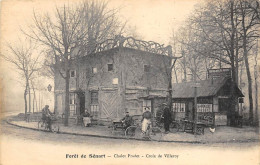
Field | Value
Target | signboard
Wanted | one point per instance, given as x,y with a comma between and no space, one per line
216,73
220,119
204,107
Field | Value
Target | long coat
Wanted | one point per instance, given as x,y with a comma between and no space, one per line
167,116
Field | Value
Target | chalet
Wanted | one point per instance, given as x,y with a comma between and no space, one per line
213,99
116,78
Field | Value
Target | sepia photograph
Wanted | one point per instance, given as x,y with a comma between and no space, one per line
114,82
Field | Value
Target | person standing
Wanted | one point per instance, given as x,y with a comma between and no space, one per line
167,118
146,120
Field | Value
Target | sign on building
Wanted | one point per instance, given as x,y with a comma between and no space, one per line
204,107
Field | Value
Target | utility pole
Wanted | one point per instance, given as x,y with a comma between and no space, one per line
195,110
196,86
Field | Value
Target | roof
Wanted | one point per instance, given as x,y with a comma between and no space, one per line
206,88
126,42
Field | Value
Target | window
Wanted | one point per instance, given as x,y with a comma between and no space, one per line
178,107
94,111
94,108
94,70
72,73
94,97
109,67
72,103
147,68
115,81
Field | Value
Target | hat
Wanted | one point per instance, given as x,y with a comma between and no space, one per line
146,108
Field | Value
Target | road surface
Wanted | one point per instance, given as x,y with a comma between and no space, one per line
25,146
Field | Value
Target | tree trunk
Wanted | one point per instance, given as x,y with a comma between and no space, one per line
34,99
256,96
234,101
256,85
25,101
29,92
184,67
67,95
249,79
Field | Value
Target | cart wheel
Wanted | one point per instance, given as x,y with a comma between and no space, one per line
130,131
155,134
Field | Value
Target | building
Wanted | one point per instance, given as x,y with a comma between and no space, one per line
121,75
213,99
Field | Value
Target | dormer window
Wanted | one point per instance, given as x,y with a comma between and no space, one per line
109,67
147,68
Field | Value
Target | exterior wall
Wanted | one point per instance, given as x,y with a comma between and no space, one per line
133,62
138,83
205,114
133,81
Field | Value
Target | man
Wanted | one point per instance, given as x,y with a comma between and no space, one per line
167,118
127,120
46,116
146,120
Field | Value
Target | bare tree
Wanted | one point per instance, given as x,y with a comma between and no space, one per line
73,31
249,33
60,34
227,30
256,74
26,61
195,59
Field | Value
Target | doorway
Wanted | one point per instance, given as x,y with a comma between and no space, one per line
81,103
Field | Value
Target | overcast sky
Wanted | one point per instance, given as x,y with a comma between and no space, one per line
154,20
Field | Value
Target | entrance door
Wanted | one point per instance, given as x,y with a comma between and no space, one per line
81,103
224,104
189,112
110,105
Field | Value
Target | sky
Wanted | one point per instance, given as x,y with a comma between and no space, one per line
153,20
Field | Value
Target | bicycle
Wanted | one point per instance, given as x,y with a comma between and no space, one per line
53,127
153,133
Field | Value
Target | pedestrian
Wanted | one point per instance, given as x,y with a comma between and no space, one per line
167,118
146,120
86,119
127,120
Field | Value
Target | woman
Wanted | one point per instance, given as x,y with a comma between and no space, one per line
86,119
146,120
